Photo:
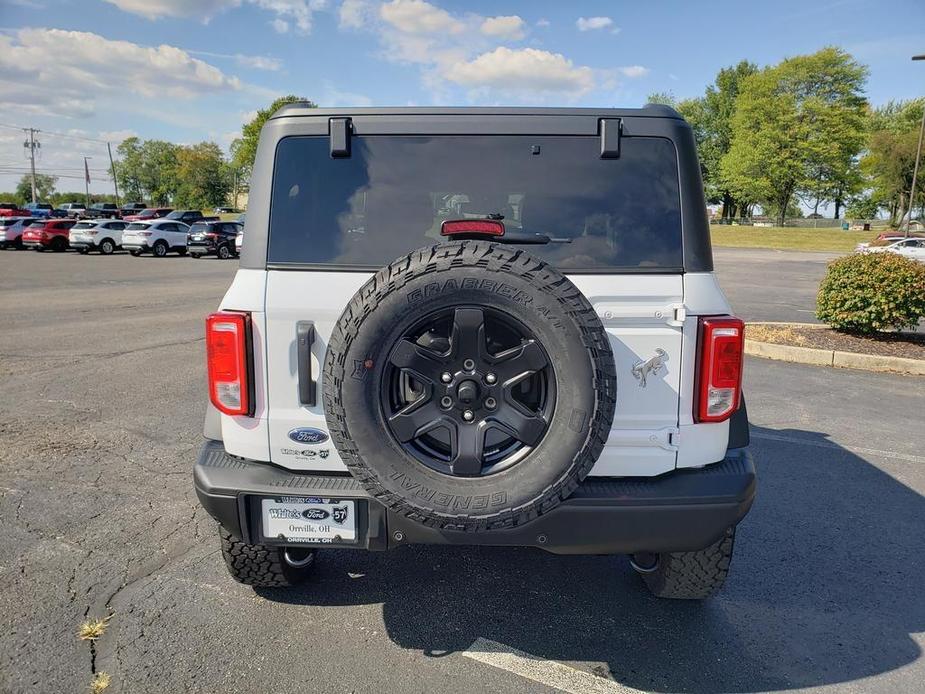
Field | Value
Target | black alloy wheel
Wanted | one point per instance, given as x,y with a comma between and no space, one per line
468,391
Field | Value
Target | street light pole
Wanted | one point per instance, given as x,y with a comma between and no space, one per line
918,155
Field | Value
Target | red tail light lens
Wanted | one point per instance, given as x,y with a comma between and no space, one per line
719,372
490,227
227,339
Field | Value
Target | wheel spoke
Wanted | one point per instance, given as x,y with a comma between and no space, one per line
515,420
422,361
415,419
468,442
515,364
468,336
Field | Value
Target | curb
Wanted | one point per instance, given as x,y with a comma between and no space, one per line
828,357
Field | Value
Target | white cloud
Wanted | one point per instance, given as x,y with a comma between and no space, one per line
116,136
354,14
524,70
298,12
592,23
633,71
280,26
155,9
419,17
258,62
543,22
255,62
508,27
87,63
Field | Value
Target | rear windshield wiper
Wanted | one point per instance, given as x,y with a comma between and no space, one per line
529,239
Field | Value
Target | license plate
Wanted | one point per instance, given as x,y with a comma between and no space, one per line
309,519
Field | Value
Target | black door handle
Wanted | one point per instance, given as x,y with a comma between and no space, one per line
305,338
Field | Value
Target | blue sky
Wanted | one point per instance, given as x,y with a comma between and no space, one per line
189,70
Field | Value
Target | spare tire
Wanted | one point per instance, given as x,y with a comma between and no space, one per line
469,386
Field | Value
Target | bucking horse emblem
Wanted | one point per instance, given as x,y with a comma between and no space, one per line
652,365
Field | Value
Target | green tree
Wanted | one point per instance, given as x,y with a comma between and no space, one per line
44,188
244,149
792,121
159,171
890,156
665,98
129,169
202,176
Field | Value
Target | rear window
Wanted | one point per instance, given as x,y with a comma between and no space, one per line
84,225
136,226
393,193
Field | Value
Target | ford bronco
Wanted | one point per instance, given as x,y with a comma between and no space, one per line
477,326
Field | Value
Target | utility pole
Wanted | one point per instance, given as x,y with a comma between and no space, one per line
918,155
87,179
112,167
30,145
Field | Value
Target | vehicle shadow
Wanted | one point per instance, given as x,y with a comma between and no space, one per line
825,588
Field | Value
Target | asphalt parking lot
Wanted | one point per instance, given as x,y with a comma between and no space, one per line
102,392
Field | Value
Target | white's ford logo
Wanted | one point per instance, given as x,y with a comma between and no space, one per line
308,435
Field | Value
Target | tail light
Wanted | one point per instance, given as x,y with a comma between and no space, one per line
719,375
227,356
145,233
456,227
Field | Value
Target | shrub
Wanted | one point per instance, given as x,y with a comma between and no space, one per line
867,292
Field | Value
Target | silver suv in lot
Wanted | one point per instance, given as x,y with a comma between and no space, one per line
477,327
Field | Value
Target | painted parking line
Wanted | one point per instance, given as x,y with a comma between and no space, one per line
547,672
908,457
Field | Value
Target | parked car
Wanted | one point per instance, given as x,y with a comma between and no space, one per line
11,229
912,248
72,210
11,209
103,235
213,238
132,208
467,393
39,209
148,214
102,210
160,237
885,239
51,234
188,216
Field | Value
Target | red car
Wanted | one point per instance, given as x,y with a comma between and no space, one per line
149,214
11,209
50,233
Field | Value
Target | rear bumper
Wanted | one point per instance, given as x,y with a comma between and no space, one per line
684,510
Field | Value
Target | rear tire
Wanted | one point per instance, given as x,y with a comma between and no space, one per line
223,252
687,575
59,245
159,250
134,254
107,247
265,567
181,252
195,256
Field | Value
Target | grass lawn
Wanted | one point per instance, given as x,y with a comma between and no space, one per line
789,238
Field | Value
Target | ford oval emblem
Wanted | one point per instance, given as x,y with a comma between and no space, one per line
308,435
315,514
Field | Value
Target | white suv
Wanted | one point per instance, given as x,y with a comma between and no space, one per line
11,229
103,235
159,237
477,327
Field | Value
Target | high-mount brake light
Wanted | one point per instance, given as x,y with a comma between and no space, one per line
719,373
460,227
227,338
